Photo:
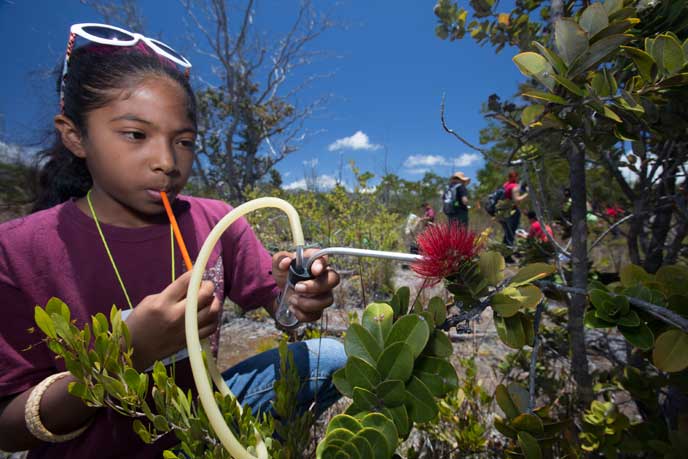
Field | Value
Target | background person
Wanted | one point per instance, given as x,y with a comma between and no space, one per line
455,199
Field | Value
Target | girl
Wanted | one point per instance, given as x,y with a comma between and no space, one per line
100,236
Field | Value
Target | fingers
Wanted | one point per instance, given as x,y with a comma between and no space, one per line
210,315
324,282
177,289
281,260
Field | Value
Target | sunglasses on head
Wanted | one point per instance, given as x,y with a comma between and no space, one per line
114,36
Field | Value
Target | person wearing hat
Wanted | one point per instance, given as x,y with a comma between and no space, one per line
455,199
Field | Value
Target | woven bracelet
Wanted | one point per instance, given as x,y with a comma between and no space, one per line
32,415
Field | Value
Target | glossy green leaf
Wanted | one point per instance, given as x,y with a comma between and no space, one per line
438,309
641,337
141,431
531,296
412,330
392,392
546,96
400,301
643,61
385,426
671,351
420,402
439,344
632,275
570,39
529,423
370,444
505,305
396,362
594,19
519,395
437,373
528,116
529,446
341,383
44,322
674,279
535,66
598,297
554,60
530,273
505,402
612,6
364,400
630,319
599,51
344,421
360,343
667,53
377,319
503,427
491,265
399,415
510,330
360,373
570,85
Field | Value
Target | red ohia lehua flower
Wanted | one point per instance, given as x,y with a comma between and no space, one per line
445,248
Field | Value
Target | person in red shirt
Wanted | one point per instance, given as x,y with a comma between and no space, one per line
535,229
512,192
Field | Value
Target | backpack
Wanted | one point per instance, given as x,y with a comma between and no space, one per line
493,199
449,203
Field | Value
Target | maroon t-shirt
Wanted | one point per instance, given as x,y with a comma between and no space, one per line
58,252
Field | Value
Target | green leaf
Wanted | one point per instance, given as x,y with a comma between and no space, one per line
412,330
57,306
529,423
44,322
396,362
141,431
360,343
510,330
341,383
344,421
437,374
392,392
492,263
364,446
598,297
541,95
671,351
364,400
630,319
528,116
399,415
531,296
612,6
643,61
505,305
439,344
420,402
570,40
505,402
609,113
360,373
503,427
534,65
438,309
570,85
593,19
400,301
599,51
384,425
554,60
529,446
530,273
519,395
674,279
377,319
668,54
641,337
632,275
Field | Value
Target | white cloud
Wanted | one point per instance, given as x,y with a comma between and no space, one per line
324,182
311,162
420,164
358,141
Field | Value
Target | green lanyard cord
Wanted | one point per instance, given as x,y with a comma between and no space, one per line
109,254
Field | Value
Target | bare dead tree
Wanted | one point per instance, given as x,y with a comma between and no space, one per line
121,13
251,121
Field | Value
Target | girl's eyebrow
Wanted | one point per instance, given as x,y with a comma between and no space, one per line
132,117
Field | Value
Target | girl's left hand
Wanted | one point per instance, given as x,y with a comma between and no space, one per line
311,297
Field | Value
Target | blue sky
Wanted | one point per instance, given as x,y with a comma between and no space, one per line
389,72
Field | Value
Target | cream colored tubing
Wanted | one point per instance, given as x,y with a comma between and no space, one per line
193,344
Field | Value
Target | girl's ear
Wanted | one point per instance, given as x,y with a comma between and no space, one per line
70,135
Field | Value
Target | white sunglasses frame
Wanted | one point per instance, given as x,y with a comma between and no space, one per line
78,29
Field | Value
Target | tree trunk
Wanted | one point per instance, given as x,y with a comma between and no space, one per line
579,255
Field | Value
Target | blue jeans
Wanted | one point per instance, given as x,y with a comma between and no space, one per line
251,380
510,226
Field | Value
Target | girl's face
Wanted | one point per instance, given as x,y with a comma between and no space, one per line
139,144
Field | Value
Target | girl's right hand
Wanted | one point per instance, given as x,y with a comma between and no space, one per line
157,323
